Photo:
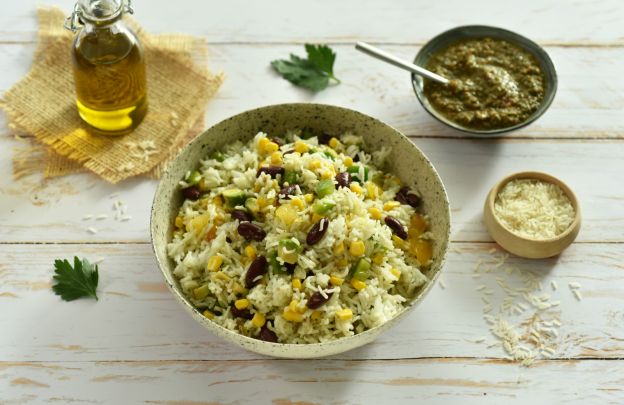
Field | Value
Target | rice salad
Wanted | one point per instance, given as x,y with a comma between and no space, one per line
299,238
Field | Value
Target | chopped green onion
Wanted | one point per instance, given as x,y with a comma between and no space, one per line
321,207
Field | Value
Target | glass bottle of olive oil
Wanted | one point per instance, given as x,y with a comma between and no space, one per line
109,67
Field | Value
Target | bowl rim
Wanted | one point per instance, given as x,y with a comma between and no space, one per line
541,176
365,336
536,50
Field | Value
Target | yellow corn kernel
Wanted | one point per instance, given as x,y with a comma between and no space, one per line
276,158
356,188
271,147
398,242
308,198
262,143
390,205
250,251
211,234
344,314
342,262
262,202
374,213
335,280
179,222
242,303
339,248
301,147
333,143
208,314
258,320
214,263
316,315
292,316
298,202
357,284
315,164
221,276
378,258
326,174
296,283
348,161
219,219
357,248
373,190
287,214
395,272
293,306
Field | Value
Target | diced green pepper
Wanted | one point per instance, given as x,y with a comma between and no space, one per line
355,173
219,156
234,197
361,270
201,292
330,154
324,187
323,206
274,264
252,205
290,177
288,250
192,178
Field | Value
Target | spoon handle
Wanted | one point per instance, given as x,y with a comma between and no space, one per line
386,57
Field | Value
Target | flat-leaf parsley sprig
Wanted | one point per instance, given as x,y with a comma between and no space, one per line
77,282
313,73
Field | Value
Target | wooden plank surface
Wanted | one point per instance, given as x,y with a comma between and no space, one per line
404,21
278,382
137,318
588,103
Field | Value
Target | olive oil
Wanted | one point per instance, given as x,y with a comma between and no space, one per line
109,72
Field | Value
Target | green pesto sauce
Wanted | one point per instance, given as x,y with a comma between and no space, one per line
493,84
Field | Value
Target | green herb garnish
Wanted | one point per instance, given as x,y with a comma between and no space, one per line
312,73
77,282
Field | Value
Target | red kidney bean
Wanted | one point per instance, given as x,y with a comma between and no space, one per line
249,230
242,215
316,300
405,196
240,313
343,179
396,227
287,191
317,232
192,193
267,334
290,267
324,138
272,171
257,268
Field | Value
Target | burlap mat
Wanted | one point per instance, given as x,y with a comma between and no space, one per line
42,104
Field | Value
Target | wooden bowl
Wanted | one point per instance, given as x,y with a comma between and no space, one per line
525,247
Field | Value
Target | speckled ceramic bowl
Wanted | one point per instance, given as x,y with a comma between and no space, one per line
407,161
457,34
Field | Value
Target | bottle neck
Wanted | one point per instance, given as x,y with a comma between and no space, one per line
95,14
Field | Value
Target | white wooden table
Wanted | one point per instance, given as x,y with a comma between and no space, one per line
137,345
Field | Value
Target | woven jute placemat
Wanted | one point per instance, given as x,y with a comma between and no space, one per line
42,105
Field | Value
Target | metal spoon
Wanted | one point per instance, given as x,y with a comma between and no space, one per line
386,57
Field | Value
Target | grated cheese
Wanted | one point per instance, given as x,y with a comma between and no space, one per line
533,209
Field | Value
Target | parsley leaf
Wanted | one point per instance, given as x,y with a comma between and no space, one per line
313,73
77,282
